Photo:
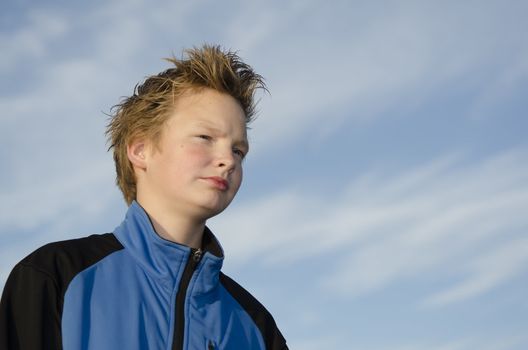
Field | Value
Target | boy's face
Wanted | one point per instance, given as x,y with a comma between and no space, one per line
196,170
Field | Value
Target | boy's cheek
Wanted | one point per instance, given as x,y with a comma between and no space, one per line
197,152
237,183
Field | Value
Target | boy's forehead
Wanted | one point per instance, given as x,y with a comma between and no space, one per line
216,127
212,123
215,122
199,108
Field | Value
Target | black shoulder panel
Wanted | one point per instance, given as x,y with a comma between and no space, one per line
32,300
262,318
63,260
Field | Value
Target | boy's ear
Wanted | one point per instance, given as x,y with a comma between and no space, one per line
136,152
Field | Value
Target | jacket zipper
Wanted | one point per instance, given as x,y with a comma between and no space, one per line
179,325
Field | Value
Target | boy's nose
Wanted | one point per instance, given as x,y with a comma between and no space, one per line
226,159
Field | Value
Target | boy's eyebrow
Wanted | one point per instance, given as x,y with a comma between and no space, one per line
243,143
211,126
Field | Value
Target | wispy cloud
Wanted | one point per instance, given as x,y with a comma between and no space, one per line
511,343
390,228
459,218
311,82
32,40
481,342
493,268
368,71
41,202
54,209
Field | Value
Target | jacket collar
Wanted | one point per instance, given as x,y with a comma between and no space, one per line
164,259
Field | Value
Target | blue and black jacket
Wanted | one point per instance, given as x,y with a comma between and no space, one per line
131,289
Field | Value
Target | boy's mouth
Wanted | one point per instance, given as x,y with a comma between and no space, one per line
218,182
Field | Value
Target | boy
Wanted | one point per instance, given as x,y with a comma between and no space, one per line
155,282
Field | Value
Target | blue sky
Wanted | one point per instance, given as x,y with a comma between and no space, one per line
385,196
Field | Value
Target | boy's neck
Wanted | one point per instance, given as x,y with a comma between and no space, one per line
175,228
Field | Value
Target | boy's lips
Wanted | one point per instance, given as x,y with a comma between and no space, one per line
218,182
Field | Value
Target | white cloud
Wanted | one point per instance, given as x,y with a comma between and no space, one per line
54,209
32,40
43,201
468,343
396,59
487,271
310,342
350,341
395,55
390,229
398,56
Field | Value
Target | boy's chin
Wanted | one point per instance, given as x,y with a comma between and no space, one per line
212,212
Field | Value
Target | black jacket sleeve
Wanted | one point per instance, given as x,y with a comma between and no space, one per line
271,334
30,310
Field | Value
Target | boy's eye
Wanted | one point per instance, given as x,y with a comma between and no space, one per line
205,137
240,153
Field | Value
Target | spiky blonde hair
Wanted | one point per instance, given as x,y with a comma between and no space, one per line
143,114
